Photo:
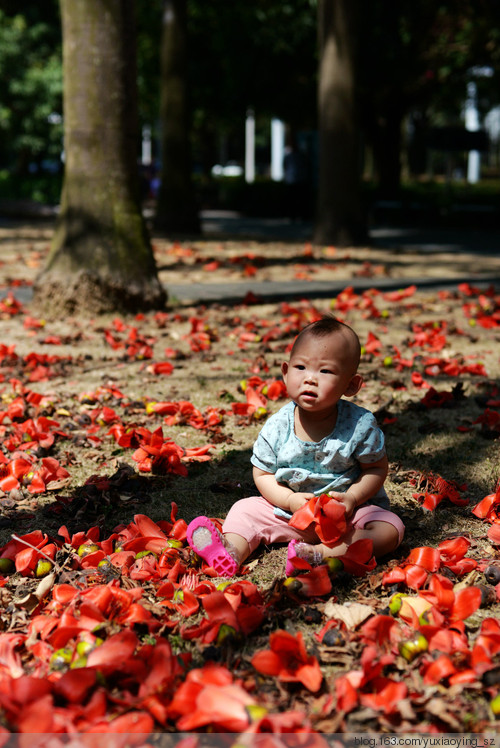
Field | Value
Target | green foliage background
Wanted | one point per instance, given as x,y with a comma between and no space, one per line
413,56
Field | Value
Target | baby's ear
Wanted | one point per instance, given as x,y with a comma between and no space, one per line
354,385
284,368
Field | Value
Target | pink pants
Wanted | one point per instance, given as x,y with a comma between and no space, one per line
254,519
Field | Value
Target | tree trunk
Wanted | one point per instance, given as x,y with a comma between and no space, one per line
340,217
101,257
176,209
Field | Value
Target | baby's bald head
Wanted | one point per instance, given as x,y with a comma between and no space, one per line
330,325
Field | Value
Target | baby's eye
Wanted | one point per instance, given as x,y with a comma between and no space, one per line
326,371
300,367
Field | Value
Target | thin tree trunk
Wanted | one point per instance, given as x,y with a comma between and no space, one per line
101,256
176,209
340,218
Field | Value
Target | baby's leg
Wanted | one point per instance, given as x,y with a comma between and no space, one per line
384,536
241,528
384,528
249,522
252,521
226,551
237,546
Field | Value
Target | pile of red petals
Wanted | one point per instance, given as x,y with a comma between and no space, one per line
326,514
133,633
485,311
96,653
426,630
424,561
488,509
433,489
96,657
135,345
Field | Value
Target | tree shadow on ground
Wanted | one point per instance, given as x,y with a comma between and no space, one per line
109,500
445,439
464,262
419,442
425,445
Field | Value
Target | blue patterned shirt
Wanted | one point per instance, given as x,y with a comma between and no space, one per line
331,464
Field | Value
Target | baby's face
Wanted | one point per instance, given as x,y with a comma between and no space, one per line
320,371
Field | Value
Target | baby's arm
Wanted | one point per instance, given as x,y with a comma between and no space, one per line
371,480
277,493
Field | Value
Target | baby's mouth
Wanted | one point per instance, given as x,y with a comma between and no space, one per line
308,393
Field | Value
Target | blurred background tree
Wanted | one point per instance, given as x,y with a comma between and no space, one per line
340,218
176,209
413,64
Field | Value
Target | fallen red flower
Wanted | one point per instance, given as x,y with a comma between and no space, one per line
315,582
457,605
178,598
452,555
486,507
75,685
209,697
437,671
378,629
288,661
328,516
255,404
428,558
403,293
233,616
114,652
388,693
359,558
494,533
372,345
27,559
346,693
10,305
436,489
10,660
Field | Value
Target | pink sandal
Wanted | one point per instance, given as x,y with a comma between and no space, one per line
295,564
210,547
291,553
291,569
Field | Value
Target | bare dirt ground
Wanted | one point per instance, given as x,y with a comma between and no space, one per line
431,365
213,348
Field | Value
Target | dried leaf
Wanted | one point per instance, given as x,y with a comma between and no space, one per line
352,614
29,602
468,581
439,708
45,586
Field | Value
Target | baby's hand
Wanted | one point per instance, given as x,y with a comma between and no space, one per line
344,498
297,500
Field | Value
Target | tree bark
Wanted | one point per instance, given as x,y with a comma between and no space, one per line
340,217
176,209
101,257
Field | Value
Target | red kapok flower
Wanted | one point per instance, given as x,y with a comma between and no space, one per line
288,660
326,513
209,696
